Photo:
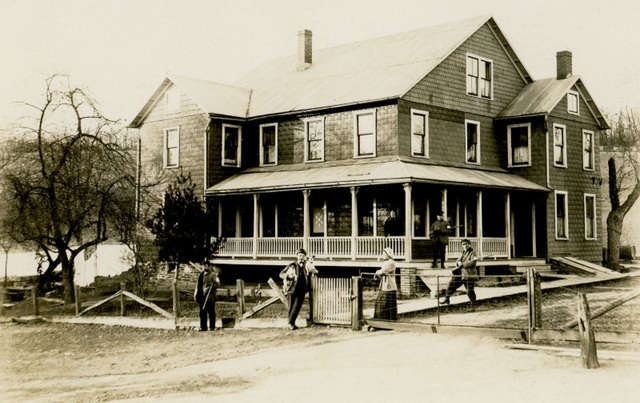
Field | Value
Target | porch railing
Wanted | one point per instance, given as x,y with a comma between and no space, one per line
371,246
490,247
236,247
331,246
277,247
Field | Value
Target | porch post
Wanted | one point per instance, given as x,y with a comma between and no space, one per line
457,217
219,219
407,221
479,214
305,214
443,202
256,226
354,221
507,220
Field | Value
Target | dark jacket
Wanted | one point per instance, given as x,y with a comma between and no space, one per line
440,232
291,274
208,282
466,263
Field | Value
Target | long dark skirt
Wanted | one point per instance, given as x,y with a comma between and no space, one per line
386,306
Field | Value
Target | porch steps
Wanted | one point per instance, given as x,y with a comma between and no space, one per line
579,266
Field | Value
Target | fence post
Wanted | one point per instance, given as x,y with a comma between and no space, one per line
534,301
34,296
123,301
3,291
176,292
587,338
240,296
77,299
356,303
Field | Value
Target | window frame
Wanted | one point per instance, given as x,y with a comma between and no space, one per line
306,138
425,144
577,95
592,158
239,147
165,156
566,214
564,163
509,147
261,156
466,141
595,219
478,89
356,135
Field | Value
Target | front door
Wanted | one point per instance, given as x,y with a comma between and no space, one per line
523,228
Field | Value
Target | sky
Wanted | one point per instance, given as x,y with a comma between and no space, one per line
121,50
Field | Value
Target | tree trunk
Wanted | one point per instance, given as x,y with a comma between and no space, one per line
614,229
67,278
45,278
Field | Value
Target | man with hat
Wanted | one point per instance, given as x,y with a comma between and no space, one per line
205,295
440,237
297,282
465,274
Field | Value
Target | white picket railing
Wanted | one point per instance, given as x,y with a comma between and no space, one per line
236,247
491,247
287,246
372,246
331,246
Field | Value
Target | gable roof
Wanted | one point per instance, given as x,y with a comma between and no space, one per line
211,97
542,96
372,70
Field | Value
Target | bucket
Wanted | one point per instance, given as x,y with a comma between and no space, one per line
627,252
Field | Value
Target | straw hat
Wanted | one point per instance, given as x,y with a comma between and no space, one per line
388,252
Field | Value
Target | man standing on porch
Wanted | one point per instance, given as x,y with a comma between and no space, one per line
440,237
298,275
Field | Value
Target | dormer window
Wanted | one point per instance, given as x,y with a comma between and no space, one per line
269,144
231,145
479,76
573,103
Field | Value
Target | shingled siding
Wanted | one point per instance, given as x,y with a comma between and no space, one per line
249,155
445,86
192,122
576,181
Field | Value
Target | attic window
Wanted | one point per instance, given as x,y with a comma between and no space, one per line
479,77
573,106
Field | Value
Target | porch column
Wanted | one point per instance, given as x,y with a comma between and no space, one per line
219,219
443,203
507,220
354,221
306,224
407,221
479,214
256,226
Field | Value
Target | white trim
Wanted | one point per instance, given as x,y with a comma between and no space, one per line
306,122
595,218
165,149
261,156
564,163
374,112
509,151
466,145
593,152
566,214
577,94
239,151
466,75
426,132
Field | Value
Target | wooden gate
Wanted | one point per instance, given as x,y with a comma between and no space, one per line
332,300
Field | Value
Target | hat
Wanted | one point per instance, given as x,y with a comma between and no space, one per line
301,250
466,241
440,212
388,252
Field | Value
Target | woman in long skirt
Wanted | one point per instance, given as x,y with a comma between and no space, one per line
387,302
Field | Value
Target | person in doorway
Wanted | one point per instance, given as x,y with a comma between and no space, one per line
297,282
205,296
439,234
391,226
386,307
465,274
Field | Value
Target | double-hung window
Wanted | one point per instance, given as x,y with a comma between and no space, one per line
573,102
269,144
171,147
419,133
479,76
589,216
562,218
519,145
472,142
231,145
365,134
314,135
588,157
560,145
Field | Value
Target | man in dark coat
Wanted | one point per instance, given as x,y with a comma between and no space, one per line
465,274
440,237
297,282
205,296
391,225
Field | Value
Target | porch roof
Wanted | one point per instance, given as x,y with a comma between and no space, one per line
305,176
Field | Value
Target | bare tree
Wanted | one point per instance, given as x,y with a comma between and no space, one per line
70,177
624,178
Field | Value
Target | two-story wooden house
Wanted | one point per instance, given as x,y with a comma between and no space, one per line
316,150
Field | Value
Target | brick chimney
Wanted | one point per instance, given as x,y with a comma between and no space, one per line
564,64
304,50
